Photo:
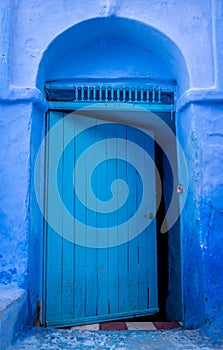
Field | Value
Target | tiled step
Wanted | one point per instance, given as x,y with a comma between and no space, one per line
118,326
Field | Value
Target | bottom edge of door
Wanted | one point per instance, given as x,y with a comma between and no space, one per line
97,319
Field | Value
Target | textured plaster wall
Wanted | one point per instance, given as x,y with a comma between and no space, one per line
14,186
200,131
185,36
39,22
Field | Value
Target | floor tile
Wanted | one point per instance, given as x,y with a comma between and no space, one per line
166,325
87,327
111,326
134,326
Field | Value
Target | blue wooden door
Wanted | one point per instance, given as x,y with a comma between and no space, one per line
100,235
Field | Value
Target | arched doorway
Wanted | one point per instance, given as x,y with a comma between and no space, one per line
105,54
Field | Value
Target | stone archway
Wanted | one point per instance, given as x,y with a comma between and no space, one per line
89,50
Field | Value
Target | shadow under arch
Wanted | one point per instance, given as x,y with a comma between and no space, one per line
67,49
122,30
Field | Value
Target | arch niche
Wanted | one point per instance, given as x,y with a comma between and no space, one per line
121,49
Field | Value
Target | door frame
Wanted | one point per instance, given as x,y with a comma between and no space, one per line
87,107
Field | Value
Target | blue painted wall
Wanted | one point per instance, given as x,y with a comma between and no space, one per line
14,187
166,39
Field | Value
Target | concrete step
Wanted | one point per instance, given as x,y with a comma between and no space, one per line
13,310
52,339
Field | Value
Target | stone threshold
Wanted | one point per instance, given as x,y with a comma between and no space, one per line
131,326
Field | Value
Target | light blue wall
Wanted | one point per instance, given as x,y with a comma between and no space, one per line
200,131
14,187
186,38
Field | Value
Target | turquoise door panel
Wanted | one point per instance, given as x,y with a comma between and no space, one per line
100,235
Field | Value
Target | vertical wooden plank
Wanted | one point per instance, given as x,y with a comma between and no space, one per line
80,251
91,253
54,241
102,221
68,200
113,258
123,269
142,241
133,247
